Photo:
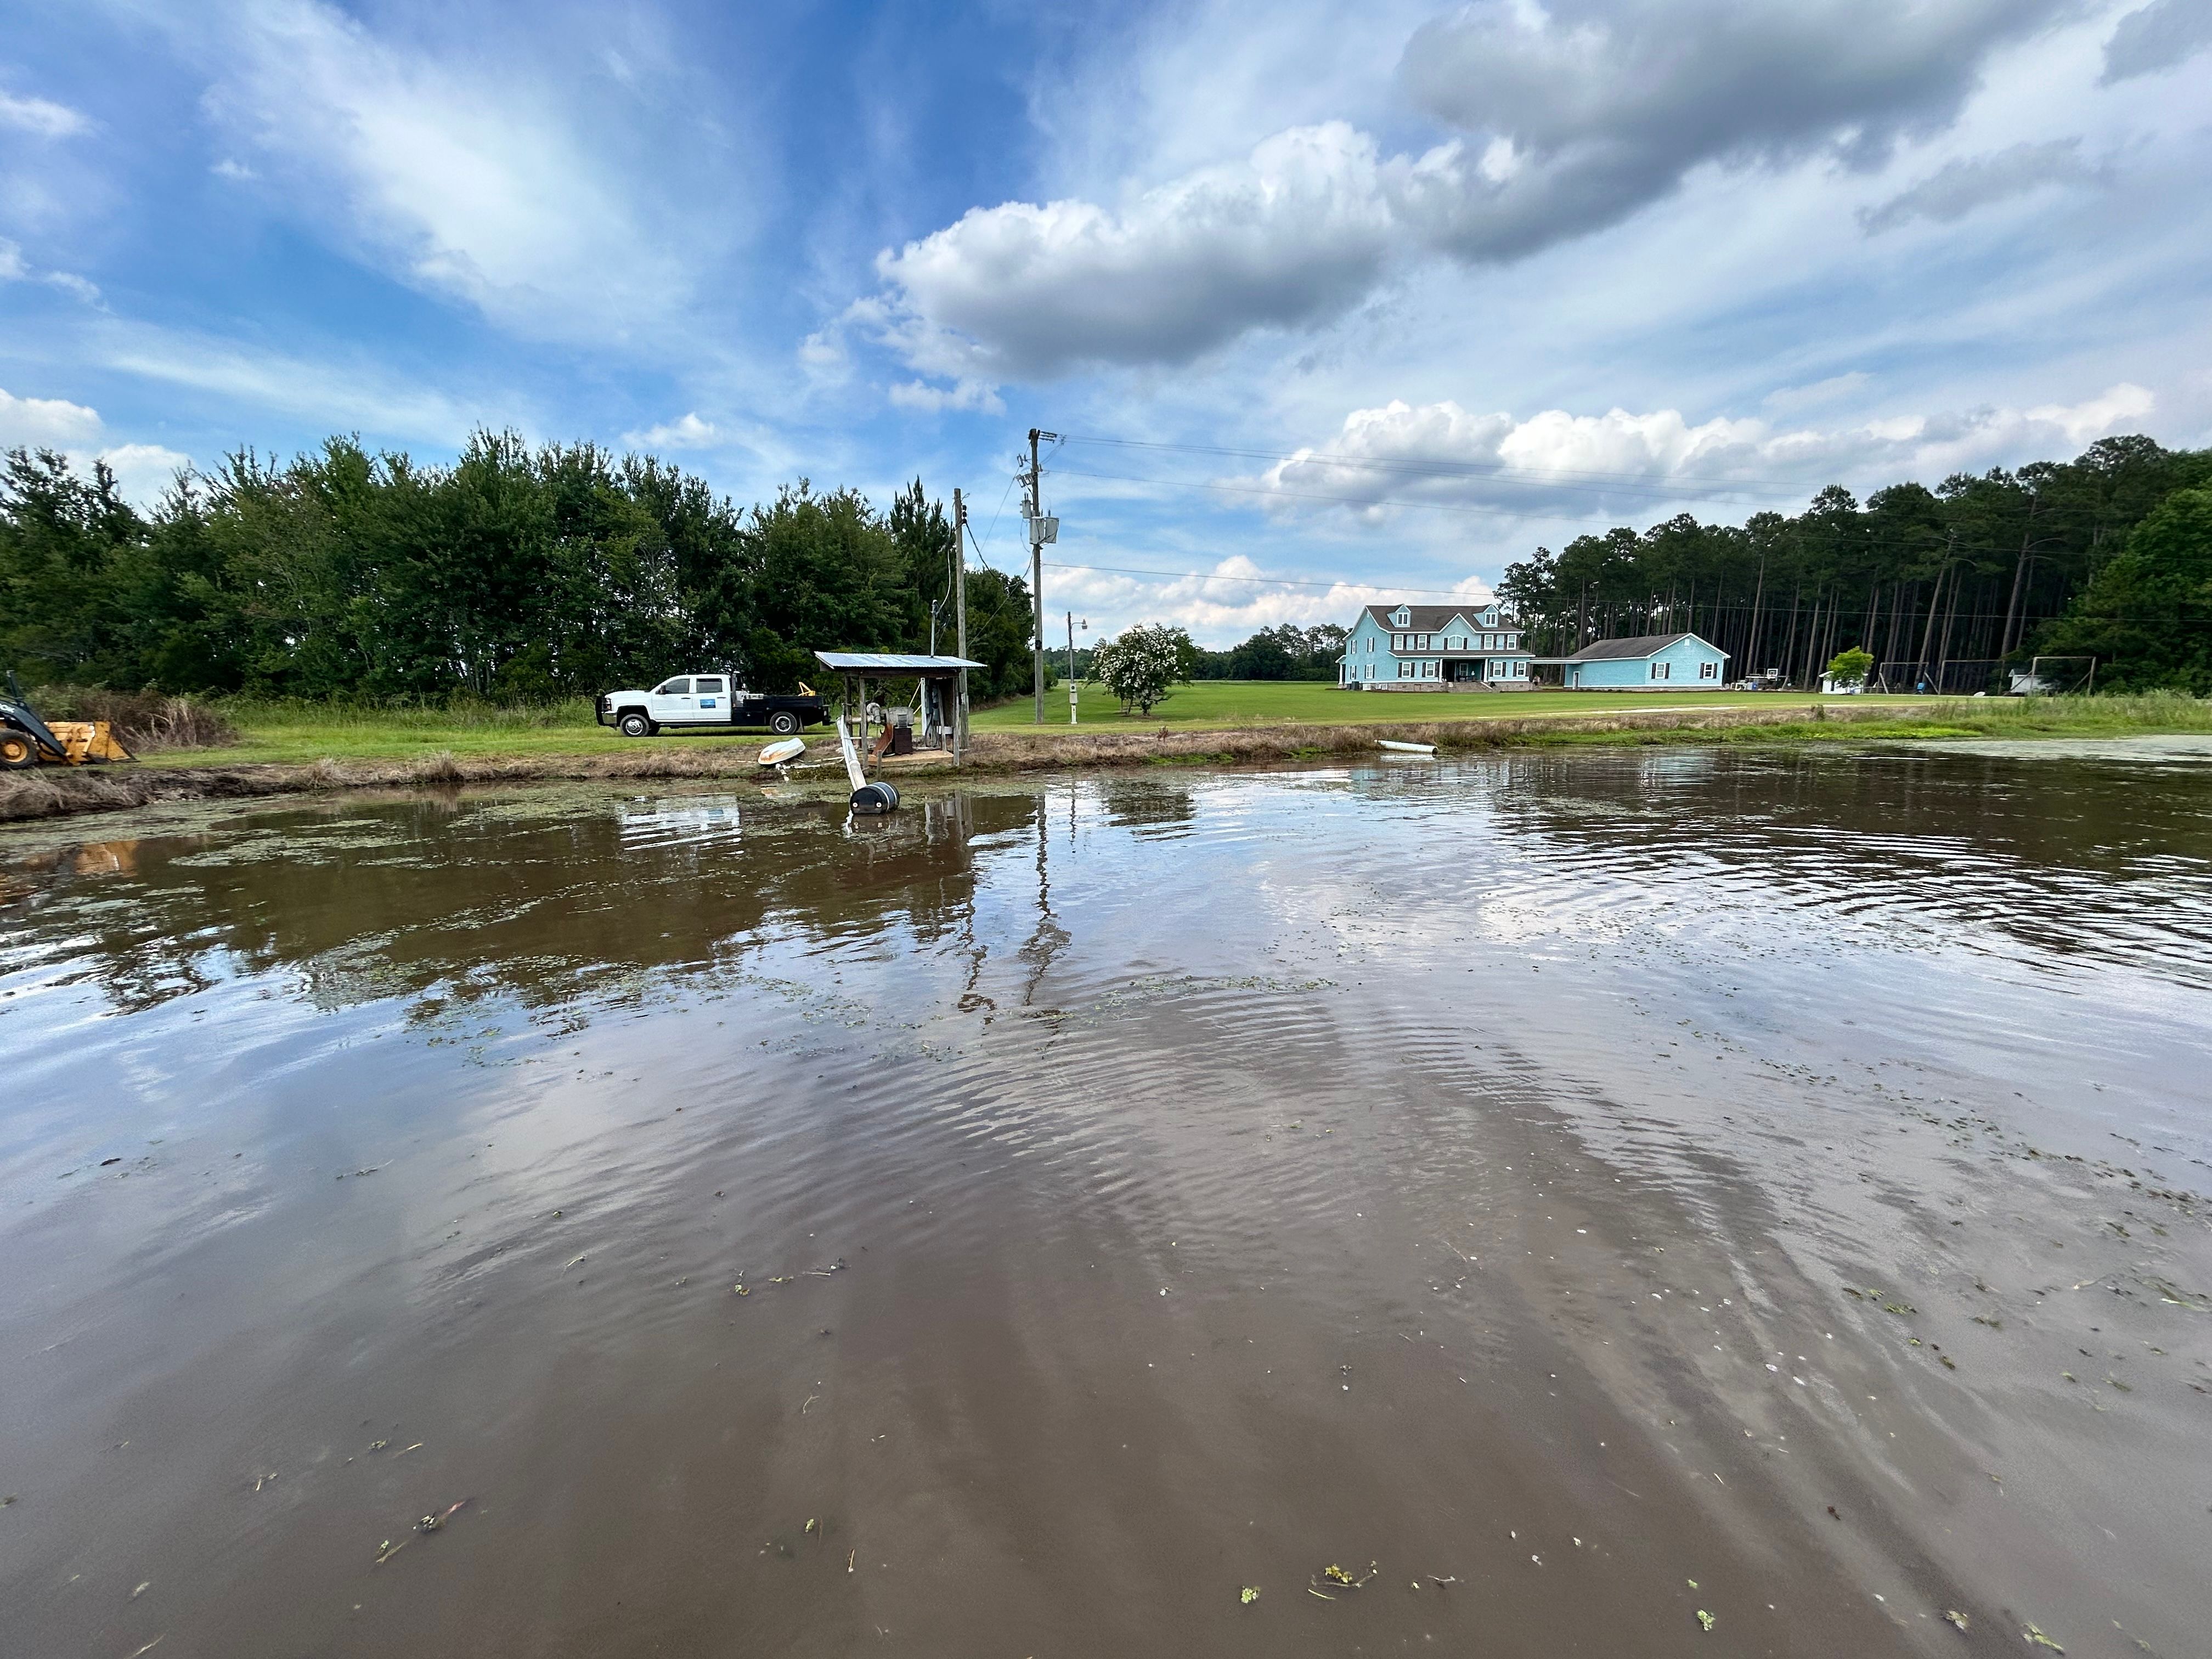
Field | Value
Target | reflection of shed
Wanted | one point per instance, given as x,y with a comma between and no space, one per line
940,709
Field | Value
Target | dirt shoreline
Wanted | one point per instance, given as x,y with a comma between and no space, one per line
54,792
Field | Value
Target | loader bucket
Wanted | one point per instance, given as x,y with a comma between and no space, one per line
88,740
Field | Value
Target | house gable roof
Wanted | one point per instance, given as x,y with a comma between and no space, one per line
1425,618
1643,645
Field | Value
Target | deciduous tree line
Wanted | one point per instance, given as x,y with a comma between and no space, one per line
514,573
1284,652
1939,585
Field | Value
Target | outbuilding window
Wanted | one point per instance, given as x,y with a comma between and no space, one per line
1660,669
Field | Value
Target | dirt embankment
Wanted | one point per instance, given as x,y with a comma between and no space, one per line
55,792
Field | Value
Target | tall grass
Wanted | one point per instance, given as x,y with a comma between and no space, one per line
399,714
143,719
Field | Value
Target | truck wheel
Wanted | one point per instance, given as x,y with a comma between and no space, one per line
634,725
784,723
17,751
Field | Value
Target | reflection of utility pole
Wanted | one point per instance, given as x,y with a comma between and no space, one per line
1050,939
1042,530
960,623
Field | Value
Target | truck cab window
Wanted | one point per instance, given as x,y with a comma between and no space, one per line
672,689
708,688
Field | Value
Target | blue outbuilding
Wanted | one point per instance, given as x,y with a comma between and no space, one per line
1648,662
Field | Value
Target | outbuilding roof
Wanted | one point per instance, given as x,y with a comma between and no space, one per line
1643,645
1426,618
889,662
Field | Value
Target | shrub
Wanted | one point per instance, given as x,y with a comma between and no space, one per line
1140,666
1851,667
143,719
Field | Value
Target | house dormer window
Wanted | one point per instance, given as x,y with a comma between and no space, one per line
1401,616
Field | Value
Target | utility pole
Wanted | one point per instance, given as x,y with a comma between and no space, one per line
960,622
1042,530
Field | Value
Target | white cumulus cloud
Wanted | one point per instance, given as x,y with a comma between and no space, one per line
142,471
1228,601
1557,121
1297,231
962,394
2097,418
45,423
687,431
1440,453
1584,111
41,117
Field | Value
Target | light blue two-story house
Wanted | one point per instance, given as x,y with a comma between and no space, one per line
1433,647
1648,662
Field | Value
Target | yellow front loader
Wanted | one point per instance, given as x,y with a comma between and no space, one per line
26,740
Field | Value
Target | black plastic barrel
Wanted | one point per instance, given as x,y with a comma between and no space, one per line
873,797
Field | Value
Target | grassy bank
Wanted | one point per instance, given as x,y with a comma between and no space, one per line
1225,705
301,734
298,734
340,750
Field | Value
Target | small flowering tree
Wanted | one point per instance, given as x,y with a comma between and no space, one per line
1139,667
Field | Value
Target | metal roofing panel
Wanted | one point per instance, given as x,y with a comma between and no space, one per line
888,662
1643,645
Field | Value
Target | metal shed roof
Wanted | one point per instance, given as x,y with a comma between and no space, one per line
1643,645
889,662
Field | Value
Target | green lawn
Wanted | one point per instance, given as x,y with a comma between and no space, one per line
1223,703
302,733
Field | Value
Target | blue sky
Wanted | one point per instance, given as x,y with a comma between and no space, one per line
1369,298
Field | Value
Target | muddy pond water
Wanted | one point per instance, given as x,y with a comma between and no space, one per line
1633,1203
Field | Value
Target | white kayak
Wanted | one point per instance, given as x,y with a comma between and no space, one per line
1406,748
790,748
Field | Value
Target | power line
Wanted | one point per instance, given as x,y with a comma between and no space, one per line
994,528
1311,495
1769,609
1271,581
1454,469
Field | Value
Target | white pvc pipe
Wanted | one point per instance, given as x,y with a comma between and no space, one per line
851,754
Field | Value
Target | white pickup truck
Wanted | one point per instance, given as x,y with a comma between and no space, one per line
703,702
